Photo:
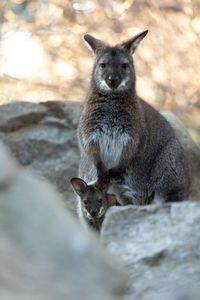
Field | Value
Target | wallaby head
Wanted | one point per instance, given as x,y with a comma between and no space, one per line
94,202
113,70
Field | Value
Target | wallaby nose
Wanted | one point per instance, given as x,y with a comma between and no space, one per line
113,81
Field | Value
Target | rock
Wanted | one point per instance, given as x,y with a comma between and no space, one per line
45,254
43,137
191,148
160,246
16,115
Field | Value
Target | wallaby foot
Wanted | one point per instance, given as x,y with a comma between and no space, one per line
174,195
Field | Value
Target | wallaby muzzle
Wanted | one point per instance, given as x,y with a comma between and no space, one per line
113,81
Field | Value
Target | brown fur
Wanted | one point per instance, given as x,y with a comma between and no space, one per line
92,193
123,137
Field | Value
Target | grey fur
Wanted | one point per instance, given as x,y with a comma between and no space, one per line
124,138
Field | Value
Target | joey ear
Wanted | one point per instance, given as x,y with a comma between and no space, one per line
131,45
94,44
79,185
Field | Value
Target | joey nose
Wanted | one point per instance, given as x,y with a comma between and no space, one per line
113,81
93,213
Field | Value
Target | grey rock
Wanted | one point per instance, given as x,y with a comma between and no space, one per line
160,246
16,115
43,137
45,254
191,148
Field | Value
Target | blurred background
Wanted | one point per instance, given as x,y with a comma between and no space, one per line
43,56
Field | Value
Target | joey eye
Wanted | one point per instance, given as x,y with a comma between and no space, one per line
85,202
100,201
102,65
124,66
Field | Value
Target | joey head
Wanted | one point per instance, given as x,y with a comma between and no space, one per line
94,201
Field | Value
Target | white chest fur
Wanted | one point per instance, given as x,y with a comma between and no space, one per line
111,143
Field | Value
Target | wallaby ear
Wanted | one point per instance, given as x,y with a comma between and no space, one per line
131,45
79,185
94,44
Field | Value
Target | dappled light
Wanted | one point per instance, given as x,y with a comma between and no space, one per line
43,56
22,56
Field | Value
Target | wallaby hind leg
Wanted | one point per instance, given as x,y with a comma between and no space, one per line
174,195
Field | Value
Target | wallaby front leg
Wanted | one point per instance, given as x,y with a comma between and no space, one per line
102,172
125,159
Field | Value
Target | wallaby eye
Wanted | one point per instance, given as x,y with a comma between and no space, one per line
85,202
102,65
100,201
124,66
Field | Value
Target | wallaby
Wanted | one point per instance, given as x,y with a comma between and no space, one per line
122,137
94,201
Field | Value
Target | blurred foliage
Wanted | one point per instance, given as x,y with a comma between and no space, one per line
43,57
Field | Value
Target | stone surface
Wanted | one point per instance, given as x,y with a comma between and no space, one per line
160,246
192,149
43,137
44,252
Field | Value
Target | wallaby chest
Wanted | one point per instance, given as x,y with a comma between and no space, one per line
111,140
109,125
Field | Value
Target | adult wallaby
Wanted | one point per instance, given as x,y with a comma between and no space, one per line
124,138
94,201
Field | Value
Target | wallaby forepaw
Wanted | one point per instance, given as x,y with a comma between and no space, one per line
114,172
